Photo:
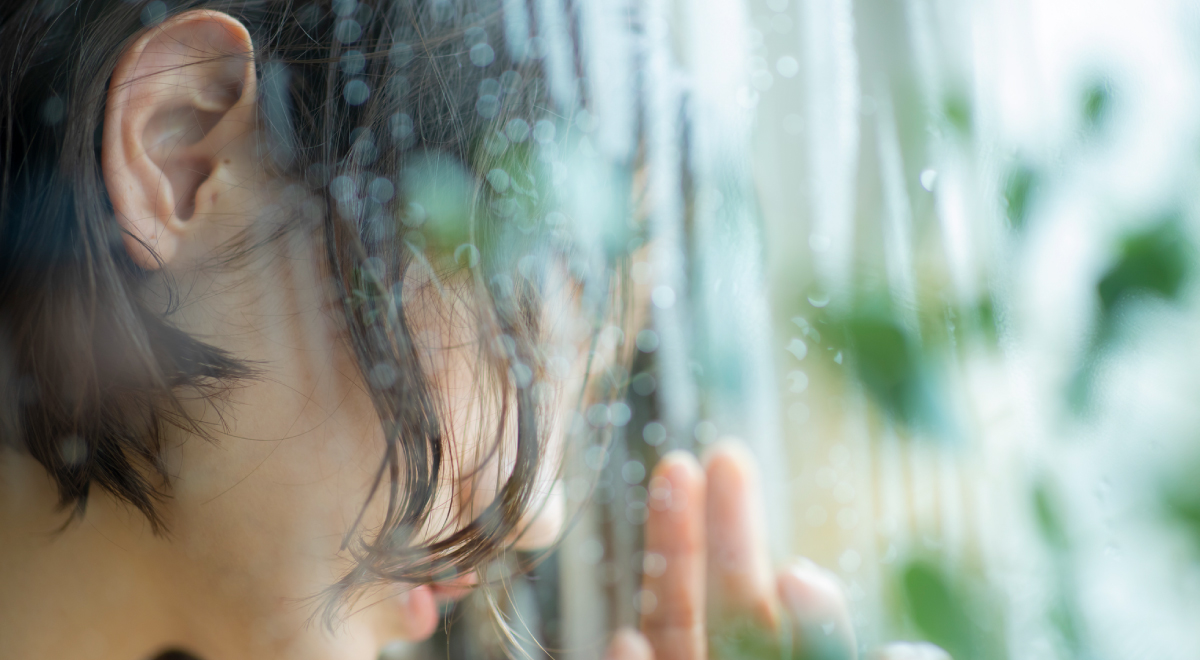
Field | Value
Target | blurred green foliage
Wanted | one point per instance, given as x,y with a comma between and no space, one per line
1155,261
957,109
1097,103
1180,501
1019,189
939,607
887,362
1152,262
895,359
439,193
1048,516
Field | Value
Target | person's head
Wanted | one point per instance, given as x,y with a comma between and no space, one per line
278,301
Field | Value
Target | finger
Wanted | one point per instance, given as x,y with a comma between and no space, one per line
673,598
818,613
629,644
910,651
741,588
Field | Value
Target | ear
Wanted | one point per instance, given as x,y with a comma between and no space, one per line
181,102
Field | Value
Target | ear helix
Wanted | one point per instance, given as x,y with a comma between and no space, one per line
177,109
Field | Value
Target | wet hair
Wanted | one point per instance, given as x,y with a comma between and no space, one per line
359,101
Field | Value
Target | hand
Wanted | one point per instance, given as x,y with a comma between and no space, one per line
708,590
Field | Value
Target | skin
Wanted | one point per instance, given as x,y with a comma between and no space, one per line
257,515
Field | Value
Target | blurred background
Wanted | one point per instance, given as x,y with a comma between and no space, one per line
934,262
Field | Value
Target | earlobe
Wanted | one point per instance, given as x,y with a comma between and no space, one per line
180,102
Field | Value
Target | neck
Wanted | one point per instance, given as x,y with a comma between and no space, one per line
93,587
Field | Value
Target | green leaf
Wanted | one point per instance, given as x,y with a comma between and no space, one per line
889,366
1156,261
957,109
1180,497
1097,102
1018,191
938,608
1048,516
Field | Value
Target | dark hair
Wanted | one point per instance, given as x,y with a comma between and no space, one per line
91,375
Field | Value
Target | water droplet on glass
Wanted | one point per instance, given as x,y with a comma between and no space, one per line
928,179
781,23
517,130
154,13
633,472
619,413
663,297
487,106
400,125
596,457
474,35
381,189
647,341
466,255
637,513
818,299
53,110
799,381
705,432
353,62
499,180
643,384
543,131
347,31
482,55
654,434
343,188
798,348
521,374
653,564
598,415
645,602
73,450
400,54
787,66
357,92
383,375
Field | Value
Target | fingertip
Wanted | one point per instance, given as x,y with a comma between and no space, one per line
817,605
729,460
680,468
807,589
725,448
629,644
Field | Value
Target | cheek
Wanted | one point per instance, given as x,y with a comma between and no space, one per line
264,508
